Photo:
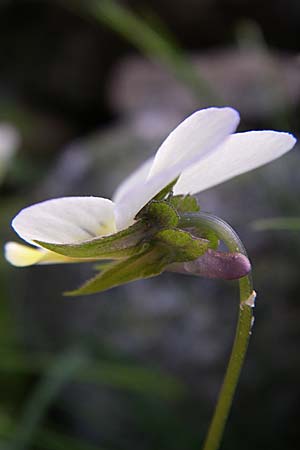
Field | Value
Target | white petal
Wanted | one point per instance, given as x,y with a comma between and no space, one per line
239,153
194,137
66,220
22,255
134,181
190,141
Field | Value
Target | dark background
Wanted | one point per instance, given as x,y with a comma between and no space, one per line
139,367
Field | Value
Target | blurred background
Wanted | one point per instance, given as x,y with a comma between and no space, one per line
88,90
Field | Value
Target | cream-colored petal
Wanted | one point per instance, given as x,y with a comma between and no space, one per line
134,181
198,135
239,153
66,220
20,255
194,137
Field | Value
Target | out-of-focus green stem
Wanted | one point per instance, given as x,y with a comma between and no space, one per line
152,43
245,321
277,224
43,395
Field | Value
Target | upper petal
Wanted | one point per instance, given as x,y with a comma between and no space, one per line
239,153
190,141
194,137
66,220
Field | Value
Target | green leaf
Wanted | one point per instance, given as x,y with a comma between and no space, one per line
149,263
181,245
119,245
184,203
160,214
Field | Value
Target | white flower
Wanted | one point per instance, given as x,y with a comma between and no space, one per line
9,141
202,152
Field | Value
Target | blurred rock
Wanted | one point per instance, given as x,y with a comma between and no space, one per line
261,85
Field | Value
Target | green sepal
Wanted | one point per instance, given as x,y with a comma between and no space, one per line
168,246
205,233
148,263
159,214
181,245
184,203
119,245
212,239
103,265
166,190
201,231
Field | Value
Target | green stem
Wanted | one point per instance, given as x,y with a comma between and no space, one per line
243,331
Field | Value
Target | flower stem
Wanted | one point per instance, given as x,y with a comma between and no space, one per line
243,331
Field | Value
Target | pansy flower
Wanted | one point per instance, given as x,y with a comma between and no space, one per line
139,231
